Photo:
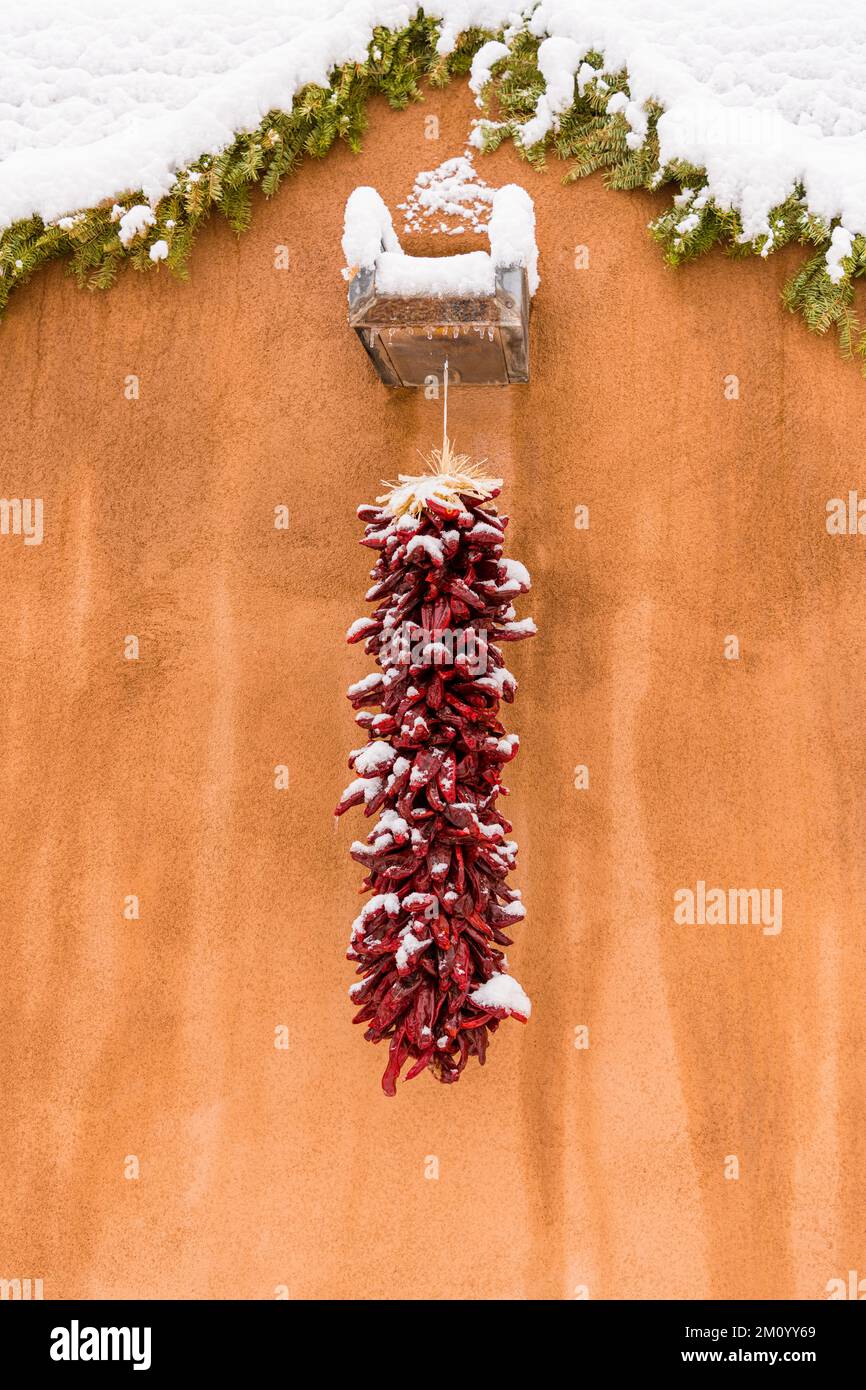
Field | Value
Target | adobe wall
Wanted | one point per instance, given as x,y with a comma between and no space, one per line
558,1167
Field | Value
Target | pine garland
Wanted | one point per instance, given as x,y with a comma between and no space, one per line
587,136
396,65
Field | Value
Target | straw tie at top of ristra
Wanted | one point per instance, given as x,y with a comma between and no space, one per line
427,942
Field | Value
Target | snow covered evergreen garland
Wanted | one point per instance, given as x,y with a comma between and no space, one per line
734,121
427,942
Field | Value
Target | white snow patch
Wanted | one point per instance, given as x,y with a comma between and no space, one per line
367,229
841,245
516,574
365,684
513,912
524,628
558,61
134,222
482,531
392,822
450,199
409,946
512,232
429,545
373,758
482,62
471,273
498,679
502,992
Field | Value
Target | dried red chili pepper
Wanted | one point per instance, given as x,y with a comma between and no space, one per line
433,981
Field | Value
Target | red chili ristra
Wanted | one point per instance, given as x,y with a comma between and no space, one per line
428,938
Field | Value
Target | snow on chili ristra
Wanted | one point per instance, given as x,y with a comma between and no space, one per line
97,99
435,982
502,992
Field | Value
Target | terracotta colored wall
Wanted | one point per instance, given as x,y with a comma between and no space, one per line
557,1167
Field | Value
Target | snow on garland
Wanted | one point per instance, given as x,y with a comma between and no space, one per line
145,123
427,942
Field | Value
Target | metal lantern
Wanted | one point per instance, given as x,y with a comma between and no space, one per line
414,313
485,339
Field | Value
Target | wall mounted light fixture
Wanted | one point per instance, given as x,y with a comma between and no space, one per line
412,313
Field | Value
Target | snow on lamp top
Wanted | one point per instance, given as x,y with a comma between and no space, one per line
370,243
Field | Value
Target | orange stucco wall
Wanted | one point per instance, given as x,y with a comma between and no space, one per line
559,1168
